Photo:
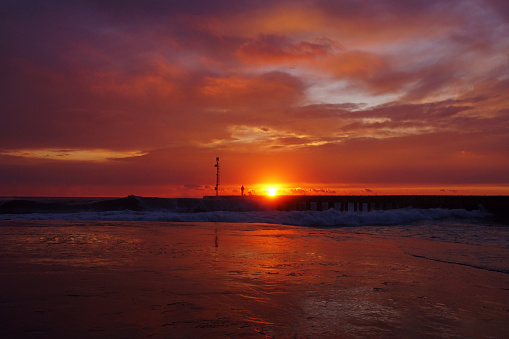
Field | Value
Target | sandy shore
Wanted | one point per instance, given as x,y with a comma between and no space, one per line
215,280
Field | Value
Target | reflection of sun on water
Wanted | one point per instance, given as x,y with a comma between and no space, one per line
272,191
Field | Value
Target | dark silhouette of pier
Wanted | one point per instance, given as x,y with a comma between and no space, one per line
496,204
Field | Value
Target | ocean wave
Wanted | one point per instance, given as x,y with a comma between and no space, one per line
329,217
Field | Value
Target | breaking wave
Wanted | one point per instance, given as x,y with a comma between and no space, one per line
329,217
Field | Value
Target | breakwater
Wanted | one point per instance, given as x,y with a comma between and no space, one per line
496,204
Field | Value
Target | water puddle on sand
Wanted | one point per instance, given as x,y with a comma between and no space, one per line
138,279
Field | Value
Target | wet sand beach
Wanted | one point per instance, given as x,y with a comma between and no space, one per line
63,279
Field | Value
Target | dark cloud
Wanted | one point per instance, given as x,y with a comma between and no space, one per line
322,191
297,191
197,187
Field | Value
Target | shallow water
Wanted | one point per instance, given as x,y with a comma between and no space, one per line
137,279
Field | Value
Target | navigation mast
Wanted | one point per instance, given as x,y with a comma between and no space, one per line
217,176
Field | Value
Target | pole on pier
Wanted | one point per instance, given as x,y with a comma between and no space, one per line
217,176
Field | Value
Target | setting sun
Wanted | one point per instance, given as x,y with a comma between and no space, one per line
272,191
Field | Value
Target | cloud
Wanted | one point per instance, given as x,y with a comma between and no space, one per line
72,154
197,187
276,49
323,191
269,89
297,190
159,81
355,64
328,57
452,191
361,92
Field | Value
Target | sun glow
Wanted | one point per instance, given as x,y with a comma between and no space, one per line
271,192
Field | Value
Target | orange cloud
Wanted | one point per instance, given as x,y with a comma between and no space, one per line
355,64
325,57
272,18
262,90
159,81
276,49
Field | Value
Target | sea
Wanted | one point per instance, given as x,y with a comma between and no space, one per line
148,267
472,227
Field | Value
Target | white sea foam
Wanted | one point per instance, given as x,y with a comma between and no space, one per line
297,218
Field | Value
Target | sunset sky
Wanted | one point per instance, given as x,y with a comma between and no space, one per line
109,98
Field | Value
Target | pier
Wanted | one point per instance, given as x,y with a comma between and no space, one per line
359,203
497,205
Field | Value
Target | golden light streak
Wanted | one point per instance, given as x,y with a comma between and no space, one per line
72,154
